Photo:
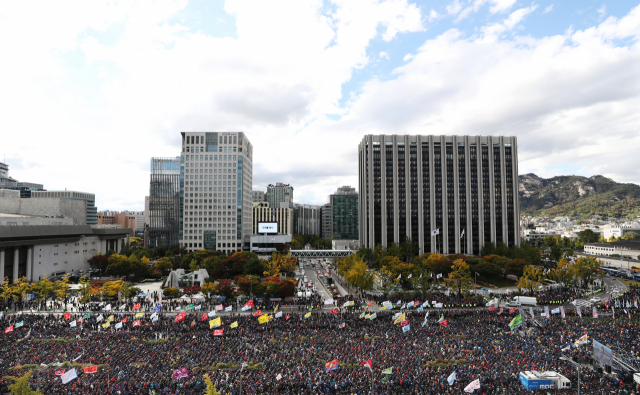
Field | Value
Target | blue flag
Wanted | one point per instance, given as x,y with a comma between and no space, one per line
406,328
420,309
156,309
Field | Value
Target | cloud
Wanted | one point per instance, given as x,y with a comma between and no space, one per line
454,7
383,55
548,9
408,57
567,98
476,5
493,31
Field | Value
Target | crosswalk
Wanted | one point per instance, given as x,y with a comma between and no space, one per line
583,303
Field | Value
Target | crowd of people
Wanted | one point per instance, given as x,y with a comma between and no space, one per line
288,355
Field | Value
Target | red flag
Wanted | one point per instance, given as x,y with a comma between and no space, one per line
80,320
193,323
511,311
180,316
136,323
333,311
67,315
124,320
288,316
9,329
404,323
204,317
500,312
249,304
367,364
91,369
136,307
443,323
492,308
257,313
369,304
59,372
217,332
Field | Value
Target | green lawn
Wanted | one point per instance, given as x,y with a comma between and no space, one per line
628,282
494,282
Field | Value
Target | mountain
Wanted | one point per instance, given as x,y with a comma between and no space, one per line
577,196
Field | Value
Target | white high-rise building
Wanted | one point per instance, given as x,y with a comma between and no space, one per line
215,191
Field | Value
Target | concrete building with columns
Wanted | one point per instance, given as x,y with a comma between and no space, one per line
33,251
464,188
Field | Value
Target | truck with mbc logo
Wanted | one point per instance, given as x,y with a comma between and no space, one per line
533,380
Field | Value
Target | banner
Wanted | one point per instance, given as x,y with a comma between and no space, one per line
249,304
91,369
228,309
217,332
474,385
263,319
106,325
595,312
118,325
492,308
139,315
452,378
307,315
407,328
67,315
219,307
212,313
400,318
257,313
68,376
180,373
388,371
516,322
546,311
233,325
99,318
373,316
279,314
9,329
579,311
136,307
562,312
138,323
367,364
156,309
531,312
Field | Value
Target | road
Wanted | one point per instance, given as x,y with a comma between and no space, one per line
312,275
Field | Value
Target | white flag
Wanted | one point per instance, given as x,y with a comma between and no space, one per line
409,275
452,378
462,234
399,275
435,232
278,377
439,275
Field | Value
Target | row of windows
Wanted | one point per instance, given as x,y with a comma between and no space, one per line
209,158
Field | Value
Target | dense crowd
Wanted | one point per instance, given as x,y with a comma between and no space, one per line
477,342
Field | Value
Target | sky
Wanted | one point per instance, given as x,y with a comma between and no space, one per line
91,90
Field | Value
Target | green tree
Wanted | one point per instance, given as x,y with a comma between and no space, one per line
516,267
85,289
171,292
359,274
119,265
460,275
164,264
408,249
587,236
366,254
530,278
43,288
21,385
250,285
61,289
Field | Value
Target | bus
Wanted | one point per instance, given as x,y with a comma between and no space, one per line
635,269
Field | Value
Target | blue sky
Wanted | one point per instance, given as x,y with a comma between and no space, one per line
92,92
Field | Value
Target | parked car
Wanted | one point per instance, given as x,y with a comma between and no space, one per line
595,300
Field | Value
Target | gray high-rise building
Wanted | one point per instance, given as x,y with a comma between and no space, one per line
306,219
7,182
326,228
258,196
215,197
89,198
465,188
280,194
164,203
344,211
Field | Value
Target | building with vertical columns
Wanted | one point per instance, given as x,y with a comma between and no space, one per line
326,215
306,219
279,195
35,250
282,215
216,176
344,212
465,187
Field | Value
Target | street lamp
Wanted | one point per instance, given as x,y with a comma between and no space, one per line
575,365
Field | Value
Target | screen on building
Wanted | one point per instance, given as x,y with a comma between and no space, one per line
268,228
602,353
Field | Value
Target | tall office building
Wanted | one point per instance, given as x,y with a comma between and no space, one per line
344,207
9,183
282,215
326,227
463,187
215,195
164,203
89,198
306,219
279,195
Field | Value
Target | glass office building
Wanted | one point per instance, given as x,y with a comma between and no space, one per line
164,203
344,212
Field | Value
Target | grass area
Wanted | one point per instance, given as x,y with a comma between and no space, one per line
495,281
445,362
232,365
628,282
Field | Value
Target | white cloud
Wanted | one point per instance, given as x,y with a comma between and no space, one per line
548,9
496,6
89,115
569,99
408,57
602,11
383,55
493,31
434,16
501,5
454,7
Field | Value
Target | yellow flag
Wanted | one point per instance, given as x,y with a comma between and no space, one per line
400,318
383,308
276,309
307,315
139,315
111,318
234,325
263,319
214,323
367,316
105,325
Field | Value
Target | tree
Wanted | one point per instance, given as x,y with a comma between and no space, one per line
85,289
359,274
61,288
99,262
488,249
135,241
211,389
171,292
285,288
397,268
366,254
530,278
119,265
43,288
587,269
209,288
408,249
164,264
6,289
20,288
587,236
226,288
515,266
250,285
21,385
272,267
460,275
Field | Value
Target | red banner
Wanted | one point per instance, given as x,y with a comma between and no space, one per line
204,317
369,304
443,323
217,332
67,315
288,316
404,323
124,320
9,329
492,308
91,369
257,313
511,311
180,316
137,323
249,304
367,364
333,311
136,307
